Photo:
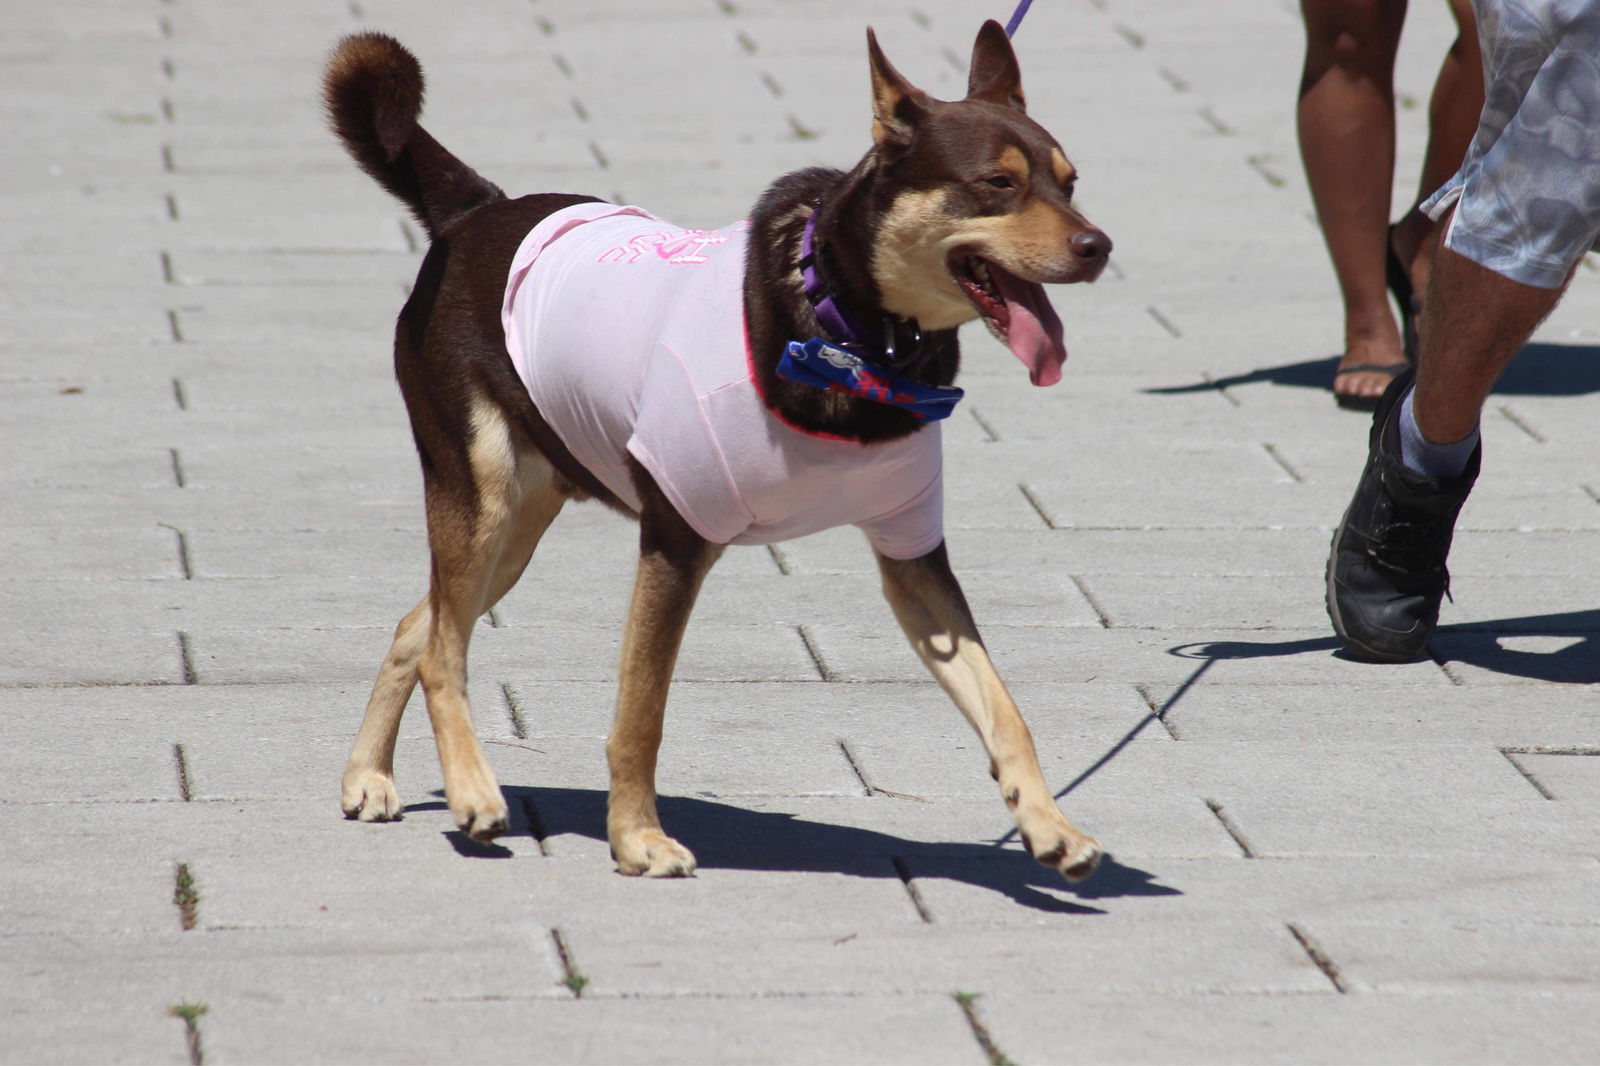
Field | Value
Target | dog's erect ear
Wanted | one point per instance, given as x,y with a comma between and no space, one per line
897,106
995,76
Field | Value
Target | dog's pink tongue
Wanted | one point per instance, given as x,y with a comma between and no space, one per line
1034,333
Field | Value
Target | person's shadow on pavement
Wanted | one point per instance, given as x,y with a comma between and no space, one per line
727,836
1538,370
1575,660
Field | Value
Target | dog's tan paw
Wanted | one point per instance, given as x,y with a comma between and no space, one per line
371,797
482,821
651,853
1060,845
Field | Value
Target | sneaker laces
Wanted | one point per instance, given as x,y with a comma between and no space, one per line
1414,548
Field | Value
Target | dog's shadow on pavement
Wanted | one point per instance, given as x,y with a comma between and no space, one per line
1539,370
1565,647
730,837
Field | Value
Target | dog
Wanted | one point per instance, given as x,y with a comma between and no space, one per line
823,330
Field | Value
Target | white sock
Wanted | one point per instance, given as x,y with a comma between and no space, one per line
1423,456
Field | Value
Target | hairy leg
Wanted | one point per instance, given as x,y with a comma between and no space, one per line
1475,322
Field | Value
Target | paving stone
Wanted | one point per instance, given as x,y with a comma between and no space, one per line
1484,1028
1570,775
1320,714
811,1029
830,960
1442,891
1462,956
268,966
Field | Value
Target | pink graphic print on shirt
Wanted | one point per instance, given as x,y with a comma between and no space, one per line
680,247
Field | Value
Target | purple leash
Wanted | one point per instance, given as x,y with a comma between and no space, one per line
1016,17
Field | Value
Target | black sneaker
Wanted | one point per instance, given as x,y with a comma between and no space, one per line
1386,572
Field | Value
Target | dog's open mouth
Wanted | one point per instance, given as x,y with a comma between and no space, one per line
1017,312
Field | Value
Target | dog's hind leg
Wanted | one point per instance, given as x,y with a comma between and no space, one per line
480,549
928,601
673,562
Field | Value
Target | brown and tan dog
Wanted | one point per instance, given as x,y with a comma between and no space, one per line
959,211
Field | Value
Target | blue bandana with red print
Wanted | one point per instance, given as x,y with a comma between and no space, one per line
825,366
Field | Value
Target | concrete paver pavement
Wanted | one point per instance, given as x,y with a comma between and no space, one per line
212,520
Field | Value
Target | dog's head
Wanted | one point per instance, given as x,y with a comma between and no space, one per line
979,212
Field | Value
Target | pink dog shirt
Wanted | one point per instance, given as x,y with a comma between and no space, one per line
629,334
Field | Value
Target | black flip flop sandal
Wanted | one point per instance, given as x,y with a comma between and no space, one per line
1365,403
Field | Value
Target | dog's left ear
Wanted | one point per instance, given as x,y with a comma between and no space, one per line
995,75
898,107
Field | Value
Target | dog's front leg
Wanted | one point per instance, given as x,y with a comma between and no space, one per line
928,601
673,561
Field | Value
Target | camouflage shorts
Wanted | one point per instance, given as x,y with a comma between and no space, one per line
1527,197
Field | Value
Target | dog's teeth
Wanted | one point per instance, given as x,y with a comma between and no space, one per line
980,270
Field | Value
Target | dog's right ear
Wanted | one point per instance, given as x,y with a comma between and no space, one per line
898,107
995,75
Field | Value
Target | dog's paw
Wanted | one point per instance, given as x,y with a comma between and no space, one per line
371,797
483,820
651,853
1061,846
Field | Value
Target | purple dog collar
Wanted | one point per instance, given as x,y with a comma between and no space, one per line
899,346
839,325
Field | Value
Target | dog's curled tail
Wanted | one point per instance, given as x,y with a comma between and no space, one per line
372,89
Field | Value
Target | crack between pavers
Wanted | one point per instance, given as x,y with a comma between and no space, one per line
1219,127
189,1014
912,892
869,789
1527,774
571,977
1156,709
186,897
824,671
1277,457
519,728
1094,604
1258,163
1319,958
1164,322
180,763
1038,507
536,826
1222,390
1517,420
968,1002
1232,829
186,659
1444,666
983,424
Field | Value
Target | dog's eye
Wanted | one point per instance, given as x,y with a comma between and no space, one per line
1069,188
1000,181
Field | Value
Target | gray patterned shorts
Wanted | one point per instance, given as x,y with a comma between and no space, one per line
1527,198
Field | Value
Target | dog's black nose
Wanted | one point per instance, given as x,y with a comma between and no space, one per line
1090,244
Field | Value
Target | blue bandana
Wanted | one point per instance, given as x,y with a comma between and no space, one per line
825,366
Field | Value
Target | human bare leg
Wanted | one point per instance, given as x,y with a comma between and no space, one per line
1346,128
